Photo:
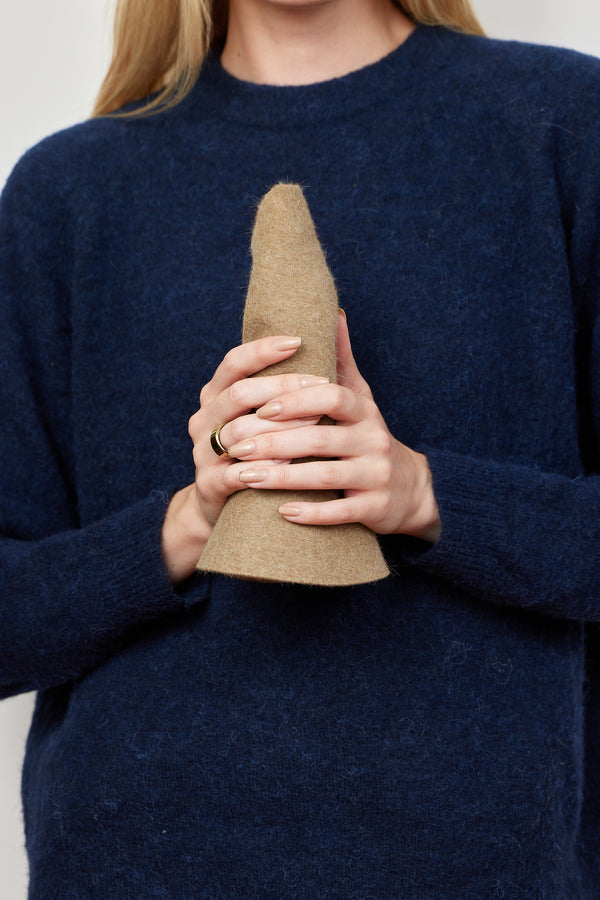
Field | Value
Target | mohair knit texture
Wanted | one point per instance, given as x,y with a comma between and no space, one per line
292,292
435,736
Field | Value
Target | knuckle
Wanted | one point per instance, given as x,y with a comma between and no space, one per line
263,351
205,395
231,433
351,511
382,443
229,480
265,448
384,471
330,475
283,475
228,365
193,426
338,399
237,392
196,457
322,440
317,513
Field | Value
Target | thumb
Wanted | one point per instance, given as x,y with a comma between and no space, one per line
347,370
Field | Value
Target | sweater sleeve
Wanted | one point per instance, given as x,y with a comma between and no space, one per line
70,596
517,535
514,535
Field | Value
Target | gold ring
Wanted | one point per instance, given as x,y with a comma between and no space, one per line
215,442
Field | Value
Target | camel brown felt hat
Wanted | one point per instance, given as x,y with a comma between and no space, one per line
291,292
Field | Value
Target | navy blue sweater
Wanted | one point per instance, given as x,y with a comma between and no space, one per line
435,736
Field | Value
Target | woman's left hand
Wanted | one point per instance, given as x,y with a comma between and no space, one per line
385,485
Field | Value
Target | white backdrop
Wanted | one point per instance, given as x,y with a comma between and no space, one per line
52,57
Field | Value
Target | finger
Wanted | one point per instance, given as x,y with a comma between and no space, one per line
228,478
339,403
243,396
239,433
305,440
222,479
329,512
248,359
347,370
251,393
319,475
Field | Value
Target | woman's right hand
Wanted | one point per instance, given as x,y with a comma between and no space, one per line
227,400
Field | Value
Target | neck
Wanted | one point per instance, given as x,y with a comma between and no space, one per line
284,42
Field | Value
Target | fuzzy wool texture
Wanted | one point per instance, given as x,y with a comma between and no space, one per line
434,736
291,291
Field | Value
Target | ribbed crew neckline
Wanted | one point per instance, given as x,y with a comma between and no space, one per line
271,105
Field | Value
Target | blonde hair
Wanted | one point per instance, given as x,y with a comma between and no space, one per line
159,45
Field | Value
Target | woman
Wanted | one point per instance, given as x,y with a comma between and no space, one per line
435,735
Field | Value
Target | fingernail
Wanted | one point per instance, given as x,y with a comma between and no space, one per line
244,449
253,475
269,410
287,344
289,510
307,380
342,312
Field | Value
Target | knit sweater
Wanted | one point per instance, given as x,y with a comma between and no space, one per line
435,736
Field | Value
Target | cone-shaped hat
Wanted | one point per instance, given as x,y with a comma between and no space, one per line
292,292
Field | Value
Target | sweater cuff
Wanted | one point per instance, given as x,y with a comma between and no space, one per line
470,494
100,584
128,547
514,535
